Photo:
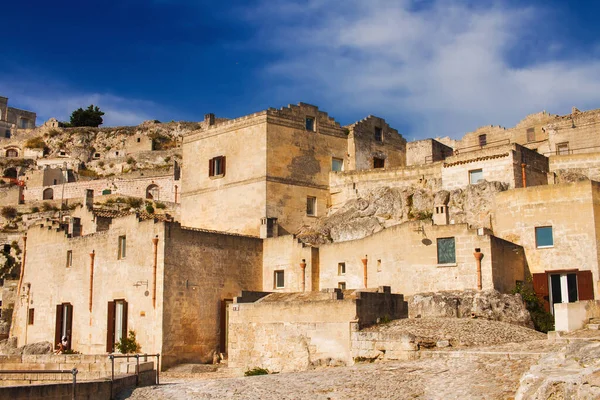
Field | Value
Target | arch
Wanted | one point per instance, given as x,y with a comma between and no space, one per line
12,153
152,192
10,173
48,194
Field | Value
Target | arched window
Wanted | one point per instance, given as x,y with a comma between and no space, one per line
12,153
48,194
152,192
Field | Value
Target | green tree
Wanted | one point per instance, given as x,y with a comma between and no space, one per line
92,116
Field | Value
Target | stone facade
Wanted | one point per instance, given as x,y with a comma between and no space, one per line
426,151
19,119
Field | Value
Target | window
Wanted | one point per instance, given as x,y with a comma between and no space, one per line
216,166
562,148
279,279
531,134
116,325
341,268
311,206
543,237
69,258
342,285
309,123
378,162
122,247
23,123
7,134
96,155
446,251
378,135
378,265
139,140
12,153
475,176
482,140
337,164
30,316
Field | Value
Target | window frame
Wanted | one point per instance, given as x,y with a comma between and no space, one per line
378,134
276,273
313,124
471,171
342,285
341,163
482,140
530,132
439,260
30,316
342,268
539,228
217,167
69,258
375,162
311,200
122,250
563,145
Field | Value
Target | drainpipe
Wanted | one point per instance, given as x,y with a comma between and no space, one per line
175,194
364,261
155,242
523,165
478,256
303,268
22,265
92,256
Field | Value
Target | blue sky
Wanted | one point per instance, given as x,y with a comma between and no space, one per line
429,67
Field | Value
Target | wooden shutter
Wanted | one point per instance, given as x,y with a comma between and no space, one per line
585,285
211,167
110,327
124,331
223,165
540,287
57,330
69,325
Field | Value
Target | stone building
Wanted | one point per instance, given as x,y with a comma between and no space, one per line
106,273
12,118
273,167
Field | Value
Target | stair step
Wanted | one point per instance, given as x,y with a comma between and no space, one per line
593,326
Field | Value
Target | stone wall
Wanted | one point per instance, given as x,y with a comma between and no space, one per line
285,253
203,271
363,147
579,131
586,165
575,234
400,253
426,151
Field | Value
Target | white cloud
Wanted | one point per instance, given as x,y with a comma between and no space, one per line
442,66
58,100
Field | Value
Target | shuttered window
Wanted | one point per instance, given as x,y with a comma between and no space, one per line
216,166
446,251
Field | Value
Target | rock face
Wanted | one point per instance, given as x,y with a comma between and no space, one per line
487,304
571,373
384,207
9,347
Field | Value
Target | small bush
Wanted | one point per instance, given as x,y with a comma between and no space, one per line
48,207
88,173
35,209
167,159
543,321
134,202
128,345
9,212
35,143
160,206
101,164
149,209
53,132
256,371
130,160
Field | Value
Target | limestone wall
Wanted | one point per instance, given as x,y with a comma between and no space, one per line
48,282
586,164
363,146
509,264
426,151
349,185
572,210
405,258
285,253
202,271
579,131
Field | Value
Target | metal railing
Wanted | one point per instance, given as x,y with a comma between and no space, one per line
137,368
579,150
487,145
48,371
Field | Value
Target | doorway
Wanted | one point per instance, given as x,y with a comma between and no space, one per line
563,288
64,324
116,328
224,325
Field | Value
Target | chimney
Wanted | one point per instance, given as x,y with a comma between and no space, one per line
89,198
209,119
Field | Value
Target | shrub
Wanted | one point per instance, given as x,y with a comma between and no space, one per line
35,209
53,132
130,160
9,212
543,321
134,202
149,208
256,371
88,173
48,207
160,206
129,344
35,143
101,164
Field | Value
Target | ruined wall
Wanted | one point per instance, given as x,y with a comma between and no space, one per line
202,271
285,253
405,258
48,281
575,234
348,185
291,335
579,131
363,146
426,151
581,165
236,201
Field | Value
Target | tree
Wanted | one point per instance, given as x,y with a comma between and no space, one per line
92,116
